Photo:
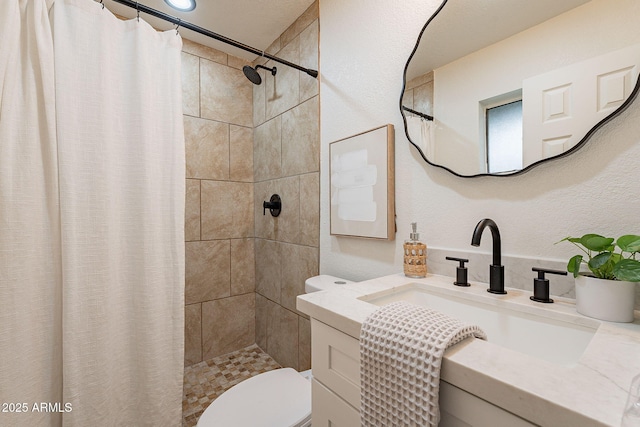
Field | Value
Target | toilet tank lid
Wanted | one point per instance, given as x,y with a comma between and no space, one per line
324,282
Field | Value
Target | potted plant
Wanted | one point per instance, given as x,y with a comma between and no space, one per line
607,292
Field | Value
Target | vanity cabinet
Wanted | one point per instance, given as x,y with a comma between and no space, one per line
335,359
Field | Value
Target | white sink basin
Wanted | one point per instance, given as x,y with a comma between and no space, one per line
506,325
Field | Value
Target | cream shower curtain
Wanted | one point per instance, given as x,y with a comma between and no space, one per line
421,132
91,215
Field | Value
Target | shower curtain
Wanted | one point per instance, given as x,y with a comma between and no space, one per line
421,132
91,218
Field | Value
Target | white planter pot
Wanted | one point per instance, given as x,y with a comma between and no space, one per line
610,300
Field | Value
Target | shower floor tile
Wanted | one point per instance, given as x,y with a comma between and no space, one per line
205,381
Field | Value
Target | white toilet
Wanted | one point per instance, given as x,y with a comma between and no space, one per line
279,398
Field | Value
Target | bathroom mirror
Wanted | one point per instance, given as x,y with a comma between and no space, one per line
496,87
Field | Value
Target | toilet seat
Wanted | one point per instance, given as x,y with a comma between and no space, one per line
276,398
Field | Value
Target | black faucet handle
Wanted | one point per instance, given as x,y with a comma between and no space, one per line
541,284
460,260
461,271
542,271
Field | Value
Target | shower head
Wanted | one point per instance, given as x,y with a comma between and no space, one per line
252,73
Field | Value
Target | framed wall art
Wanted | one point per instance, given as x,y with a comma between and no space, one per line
362,169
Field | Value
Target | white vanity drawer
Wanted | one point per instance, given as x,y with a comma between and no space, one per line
461,409
329,410
335,361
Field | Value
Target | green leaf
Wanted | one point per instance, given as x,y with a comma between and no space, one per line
574,265
569,239
627,269
595,242
629,243
599,260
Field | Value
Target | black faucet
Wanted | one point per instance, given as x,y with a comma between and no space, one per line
496,269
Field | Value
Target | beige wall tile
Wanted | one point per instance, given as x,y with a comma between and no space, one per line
420,80
228,324
267,150
282,336
423,98
207,270
304,344
298,264
263,222
310,209
262,316
303,21
243,277
286,227
240,153
268,270
204,51
289,34
309,86
283,89
190,85
407,98
259,102
273,49
225,94
192,334
227,210
192,211
237,63
301,139
207,148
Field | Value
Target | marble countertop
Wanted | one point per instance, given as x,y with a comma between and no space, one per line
591,392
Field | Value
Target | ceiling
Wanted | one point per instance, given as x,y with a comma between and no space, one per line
256,23
465,26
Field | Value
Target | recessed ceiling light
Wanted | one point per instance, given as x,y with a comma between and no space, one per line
182,5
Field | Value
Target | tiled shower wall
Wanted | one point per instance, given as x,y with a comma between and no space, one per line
243,269
286,162
219,219
418,94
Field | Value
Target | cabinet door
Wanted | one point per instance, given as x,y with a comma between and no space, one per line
329,410
335,360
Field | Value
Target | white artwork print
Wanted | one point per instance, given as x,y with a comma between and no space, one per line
361,183
353,178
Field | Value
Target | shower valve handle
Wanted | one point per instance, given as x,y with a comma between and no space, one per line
274,205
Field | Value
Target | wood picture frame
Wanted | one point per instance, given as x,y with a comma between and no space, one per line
362,184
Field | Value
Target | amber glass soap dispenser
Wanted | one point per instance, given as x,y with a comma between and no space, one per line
415,255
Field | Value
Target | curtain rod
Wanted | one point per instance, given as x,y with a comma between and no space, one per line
205,32
423,115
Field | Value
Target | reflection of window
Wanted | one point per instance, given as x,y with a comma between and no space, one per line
504,137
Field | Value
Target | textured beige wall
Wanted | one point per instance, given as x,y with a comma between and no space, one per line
286,162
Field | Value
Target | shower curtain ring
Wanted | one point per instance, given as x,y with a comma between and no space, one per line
178,25
138,11
102,3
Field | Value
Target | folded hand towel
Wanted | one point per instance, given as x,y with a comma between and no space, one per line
401,349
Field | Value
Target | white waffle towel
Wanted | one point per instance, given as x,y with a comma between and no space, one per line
401,348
